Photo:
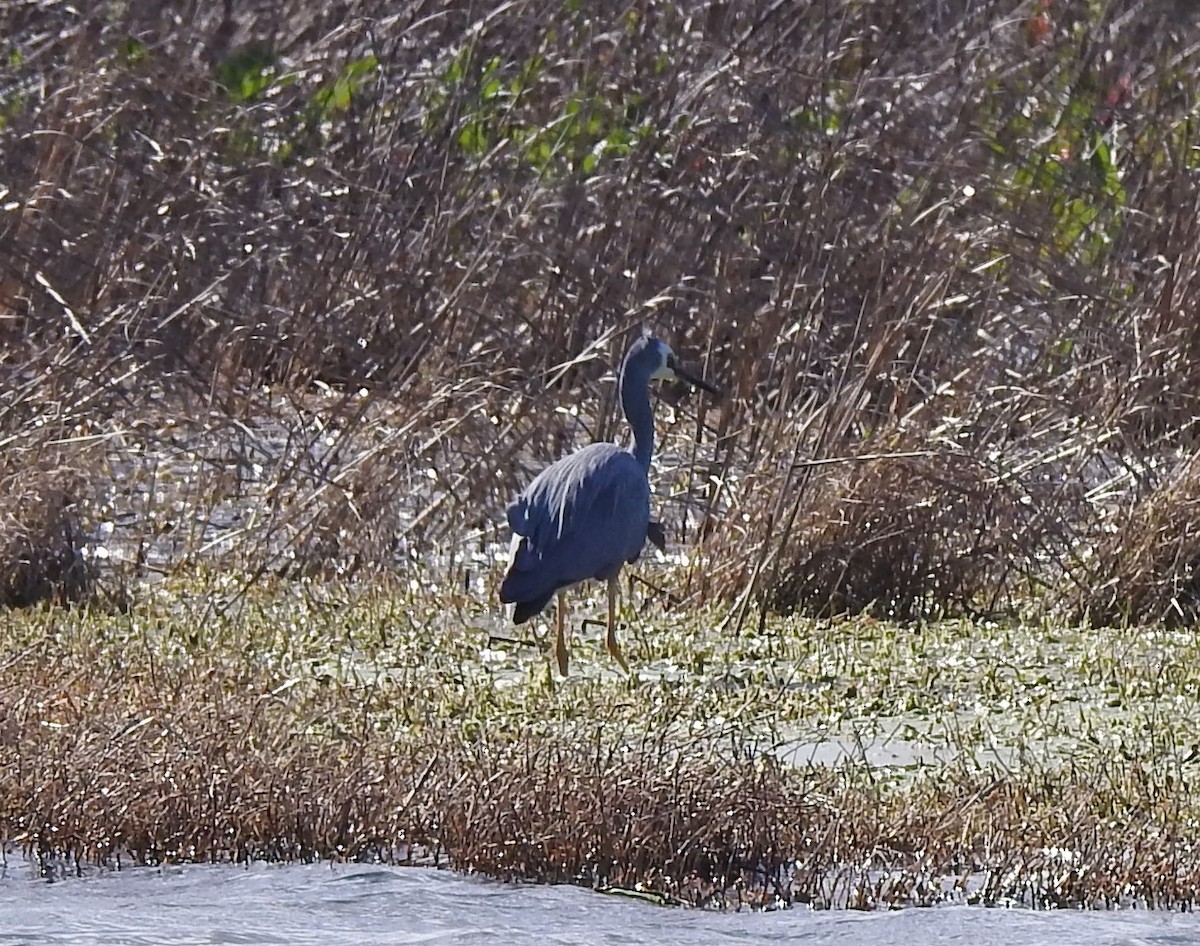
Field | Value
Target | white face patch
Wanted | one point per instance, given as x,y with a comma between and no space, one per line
664,371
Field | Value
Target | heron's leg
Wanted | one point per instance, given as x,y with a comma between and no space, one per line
610,641
560,639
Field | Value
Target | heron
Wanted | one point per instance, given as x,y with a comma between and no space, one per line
587,514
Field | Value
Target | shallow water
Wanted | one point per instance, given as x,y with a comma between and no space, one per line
340,905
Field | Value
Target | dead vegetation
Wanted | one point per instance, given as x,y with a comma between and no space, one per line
306,283
41,538
907,535
303,292
1152,547
116,756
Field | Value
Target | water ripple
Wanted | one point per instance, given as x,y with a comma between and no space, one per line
339,905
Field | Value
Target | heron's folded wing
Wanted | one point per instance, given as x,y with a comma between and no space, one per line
581,518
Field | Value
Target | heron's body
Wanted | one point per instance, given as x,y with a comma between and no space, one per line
588,514
593,505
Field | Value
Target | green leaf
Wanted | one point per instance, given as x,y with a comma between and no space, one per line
133,52
338,95
247,73
473,138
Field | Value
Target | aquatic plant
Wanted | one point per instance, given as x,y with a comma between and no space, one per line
854,764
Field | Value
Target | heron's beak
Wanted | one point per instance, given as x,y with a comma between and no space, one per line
693,379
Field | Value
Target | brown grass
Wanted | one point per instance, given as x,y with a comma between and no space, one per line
963,232
105,766
1152,546
41,538
298,293
907,535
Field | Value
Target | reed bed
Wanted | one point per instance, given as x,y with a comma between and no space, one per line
299,297
307,292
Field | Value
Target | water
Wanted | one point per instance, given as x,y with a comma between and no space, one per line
341,905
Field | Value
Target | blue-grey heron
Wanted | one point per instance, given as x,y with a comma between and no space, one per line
589,513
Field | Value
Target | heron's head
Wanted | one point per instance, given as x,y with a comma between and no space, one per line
666,361
662,363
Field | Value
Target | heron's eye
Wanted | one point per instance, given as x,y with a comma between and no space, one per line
670,362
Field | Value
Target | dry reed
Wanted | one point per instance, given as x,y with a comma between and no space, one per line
347,257
300,293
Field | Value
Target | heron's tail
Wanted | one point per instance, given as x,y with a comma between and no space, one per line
527,592
524,585
527,609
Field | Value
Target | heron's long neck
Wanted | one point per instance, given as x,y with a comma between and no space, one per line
635,400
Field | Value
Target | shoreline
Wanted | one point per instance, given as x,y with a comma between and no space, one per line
339,721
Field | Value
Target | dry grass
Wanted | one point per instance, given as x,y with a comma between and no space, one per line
1148,565
330,271
41,538
906,536
278,728
289,293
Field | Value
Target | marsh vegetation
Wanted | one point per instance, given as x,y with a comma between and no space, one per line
1009,763
292,300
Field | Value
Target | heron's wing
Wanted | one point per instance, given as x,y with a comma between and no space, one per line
583,517
657,535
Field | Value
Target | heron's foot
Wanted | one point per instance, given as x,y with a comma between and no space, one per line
614,651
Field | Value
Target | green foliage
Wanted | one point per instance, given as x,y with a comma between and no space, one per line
12,100
1055,158
338,94
590,130
246,74
493,103
10,108
133,52
249,74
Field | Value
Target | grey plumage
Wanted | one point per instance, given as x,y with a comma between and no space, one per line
593,505
588,514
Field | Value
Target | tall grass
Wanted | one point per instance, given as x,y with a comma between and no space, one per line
309,291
